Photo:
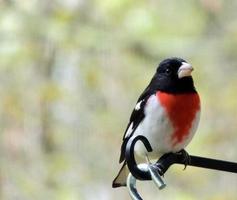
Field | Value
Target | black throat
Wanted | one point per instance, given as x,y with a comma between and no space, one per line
173,85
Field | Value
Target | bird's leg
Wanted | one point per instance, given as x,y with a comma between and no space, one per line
186,157
154,165
155,174
148,159
159,164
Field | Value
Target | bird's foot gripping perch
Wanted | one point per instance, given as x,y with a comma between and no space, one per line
149,171
155,171
186,157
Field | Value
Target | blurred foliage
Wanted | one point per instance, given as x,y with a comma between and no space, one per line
71,72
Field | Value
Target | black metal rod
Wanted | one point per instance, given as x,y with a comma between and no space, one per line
210,163
167,160
130,158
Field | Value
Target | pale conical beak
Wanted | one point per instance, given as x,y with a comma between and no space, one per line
185,70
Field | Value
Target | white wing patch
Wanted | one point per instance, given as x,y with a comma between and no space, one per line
129,131
138,106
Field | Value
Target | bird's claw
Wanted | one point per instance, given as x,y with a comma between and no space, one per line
186,157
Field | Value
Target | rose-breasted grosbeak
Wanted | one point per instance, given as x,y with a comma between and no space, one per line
167,113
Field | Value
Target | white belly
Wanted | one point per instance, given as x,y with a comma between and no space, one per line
158,129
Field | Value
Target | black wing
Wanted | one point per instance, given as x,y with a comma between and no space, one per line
136,118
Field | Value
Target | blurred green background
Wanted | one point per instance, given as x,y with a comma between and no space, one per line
71,72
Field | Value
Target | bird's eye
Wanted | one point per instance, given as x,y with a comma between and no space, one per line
168,71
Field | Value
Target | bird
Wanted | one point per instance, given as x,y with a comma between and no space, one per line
167,113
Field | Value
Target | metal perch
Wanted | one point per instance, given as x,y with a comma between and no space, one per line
155,171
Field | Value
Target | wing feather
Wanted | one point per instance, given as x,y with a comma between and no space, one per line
136,118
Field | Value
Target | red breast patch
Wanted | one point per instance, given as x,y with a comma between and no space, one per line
181,109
